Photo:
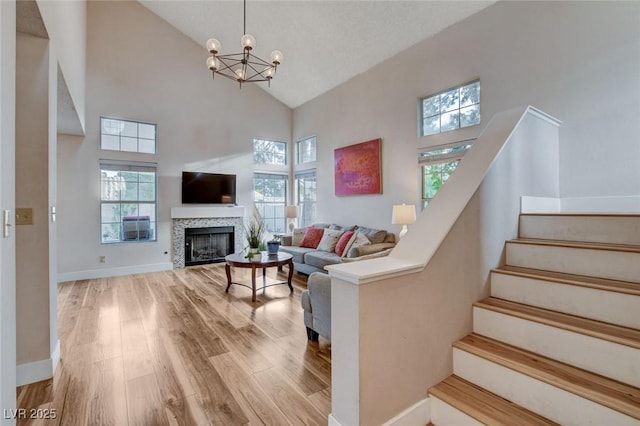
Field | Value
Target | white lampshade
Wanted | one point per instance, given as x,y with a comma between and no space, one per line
292,212
403,215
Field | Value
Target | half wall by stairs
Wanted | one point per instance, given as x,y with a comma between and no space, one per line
558,340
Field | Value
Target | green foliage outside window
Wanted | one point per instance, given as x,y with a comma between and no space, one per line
433,177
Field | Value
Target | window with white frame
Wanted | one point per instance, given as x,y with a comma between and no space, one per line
128,201
451,109
269,152
127,136
306,195
306,150
270,199
438,163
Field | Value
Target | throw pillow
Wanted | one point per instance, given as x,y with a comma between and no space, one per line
329,240
341,245
359,241
312,237
375,236
298,235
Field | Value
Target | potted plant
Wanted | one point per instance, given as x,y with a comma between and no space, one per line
274,245
253,233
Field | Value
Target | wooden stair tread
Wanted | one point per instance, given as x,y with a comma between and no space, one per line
578,244
482,405
598,329
610,393
626,287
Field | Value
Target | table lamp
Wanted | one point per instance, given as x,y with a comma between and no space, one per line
403,215
292,214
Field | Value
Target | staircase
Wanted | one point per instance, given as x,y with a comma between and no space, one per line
558,341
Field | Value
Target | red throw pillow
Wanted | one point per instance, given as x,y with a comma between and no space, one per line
342,242
312,237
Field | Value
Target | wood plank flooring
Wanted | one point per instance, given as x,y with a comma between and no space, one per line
172,348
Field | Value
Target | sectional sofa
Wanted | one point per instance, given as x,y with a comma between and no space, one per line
307,258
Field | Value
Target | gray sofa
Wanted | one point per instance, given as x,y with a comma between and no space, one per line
309,260
316,302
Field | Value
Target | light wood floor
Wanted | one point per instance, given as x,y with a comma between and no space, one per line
174,348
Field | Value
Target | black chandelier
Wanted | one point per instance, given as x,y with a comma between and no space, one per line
243,67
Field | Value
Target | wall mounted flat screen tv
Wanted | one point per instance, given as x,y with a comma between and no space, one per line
208,188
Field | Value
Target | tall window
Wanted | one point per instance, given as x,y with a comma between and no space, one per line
306,150
127,201
270,198
306,193
452,109
438,163
126,135
269,152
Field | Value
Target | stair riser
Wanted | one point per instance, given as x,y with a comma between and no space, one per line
547,400
616,265
607,306
576,349
597,229
443,414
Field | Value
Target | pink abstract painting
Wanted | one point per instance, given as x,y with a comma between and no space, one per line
358,168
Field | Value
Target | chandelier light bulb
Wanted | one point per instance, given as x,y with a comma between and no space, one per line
248,41
214,46
213,63
239,74
269,72
276,57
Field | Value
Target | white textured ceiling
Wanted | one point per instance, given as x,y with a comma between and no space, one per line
325,43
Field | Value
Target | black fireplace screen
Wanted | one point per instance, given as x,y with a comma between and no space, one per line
207,245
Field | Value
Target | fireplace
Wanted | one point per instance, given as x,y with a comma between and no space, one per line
183,218
207,245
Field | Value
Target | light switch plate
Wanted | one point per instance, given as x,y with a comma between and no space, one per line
24,216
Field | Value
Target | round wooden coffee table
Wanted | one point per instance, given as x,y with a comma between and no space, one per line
266,261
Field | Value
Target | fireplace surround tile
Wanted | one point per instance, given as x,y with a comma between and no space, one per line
204,217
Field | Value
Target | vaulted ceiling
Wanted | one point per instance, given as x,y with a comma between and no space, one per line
325,43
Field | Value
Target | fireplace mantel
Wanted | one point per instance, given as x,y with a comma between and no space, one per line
206,212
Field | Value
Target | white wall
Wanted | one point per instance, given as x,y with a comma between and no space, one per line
66,23
7,201
578,61
35,189
140,68
32,242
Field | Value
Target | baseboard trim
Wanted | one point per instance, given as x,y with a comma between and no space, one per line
332,421
38,371
418,414
55,356
617,204
539,205
114,272
620,204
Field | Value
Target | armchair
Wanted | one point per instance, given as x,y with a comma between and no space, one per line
316,302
